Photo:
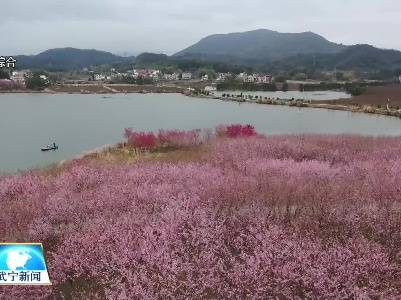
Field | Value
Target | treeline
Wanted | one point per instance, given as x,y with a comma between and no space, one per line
247,86
4,75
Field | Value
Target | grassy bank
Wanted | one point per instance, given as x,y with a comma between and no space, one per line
194,215
376,97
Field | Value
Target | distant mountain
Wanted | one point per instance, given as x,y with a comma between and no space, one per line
229,59
366,57
358,57
126,54
69,58
261,44
149,58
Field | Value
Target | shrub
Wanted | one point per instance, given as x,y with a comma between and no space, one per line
142,139
179,138
128,133
235,130
175,138
221,130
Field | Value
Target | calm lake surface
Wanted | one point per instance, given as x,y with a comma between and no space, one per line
80,123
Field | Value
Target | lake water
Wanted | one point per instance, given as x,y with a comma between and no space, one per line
318,95
80,123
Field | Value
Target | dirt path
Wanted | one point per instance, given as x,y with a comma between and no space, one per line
110,89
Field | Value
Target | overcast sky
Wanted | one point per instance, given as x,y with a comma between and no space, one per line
33,26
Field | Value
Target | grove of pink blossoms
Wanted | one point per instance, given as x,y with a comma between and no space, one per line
277,217
174,138
6,84
235,130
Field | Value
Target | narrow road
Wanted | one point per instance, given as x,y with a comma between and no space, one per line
109,88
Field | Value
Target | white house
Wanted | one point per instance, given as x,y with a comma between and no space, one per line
205,77
399,78
43,77
222,76
99,77
155,74
18,76
249,78
267,79
263,78
255,78
242,76
186,76
173,76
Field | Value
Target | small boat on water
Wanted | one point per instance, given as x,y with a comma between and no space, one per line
50,147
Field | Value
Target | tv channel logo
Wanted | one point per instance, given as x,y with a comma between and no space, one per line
23,264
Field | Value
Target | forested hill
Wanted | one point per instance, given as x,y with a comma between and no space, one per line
69,59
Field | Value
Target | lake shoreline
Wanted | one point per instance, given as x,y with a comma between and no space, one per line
100,89
151,89
148,89
367,109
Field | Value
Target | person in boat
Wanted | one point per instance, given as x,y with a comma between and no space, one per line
54,145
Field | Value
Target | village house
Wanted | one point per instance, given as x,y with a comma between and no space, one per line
222,76
18,76
155,74
205,77
263,78
186,76
99,77
173,76
242,76
257,78
249,78
141,73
